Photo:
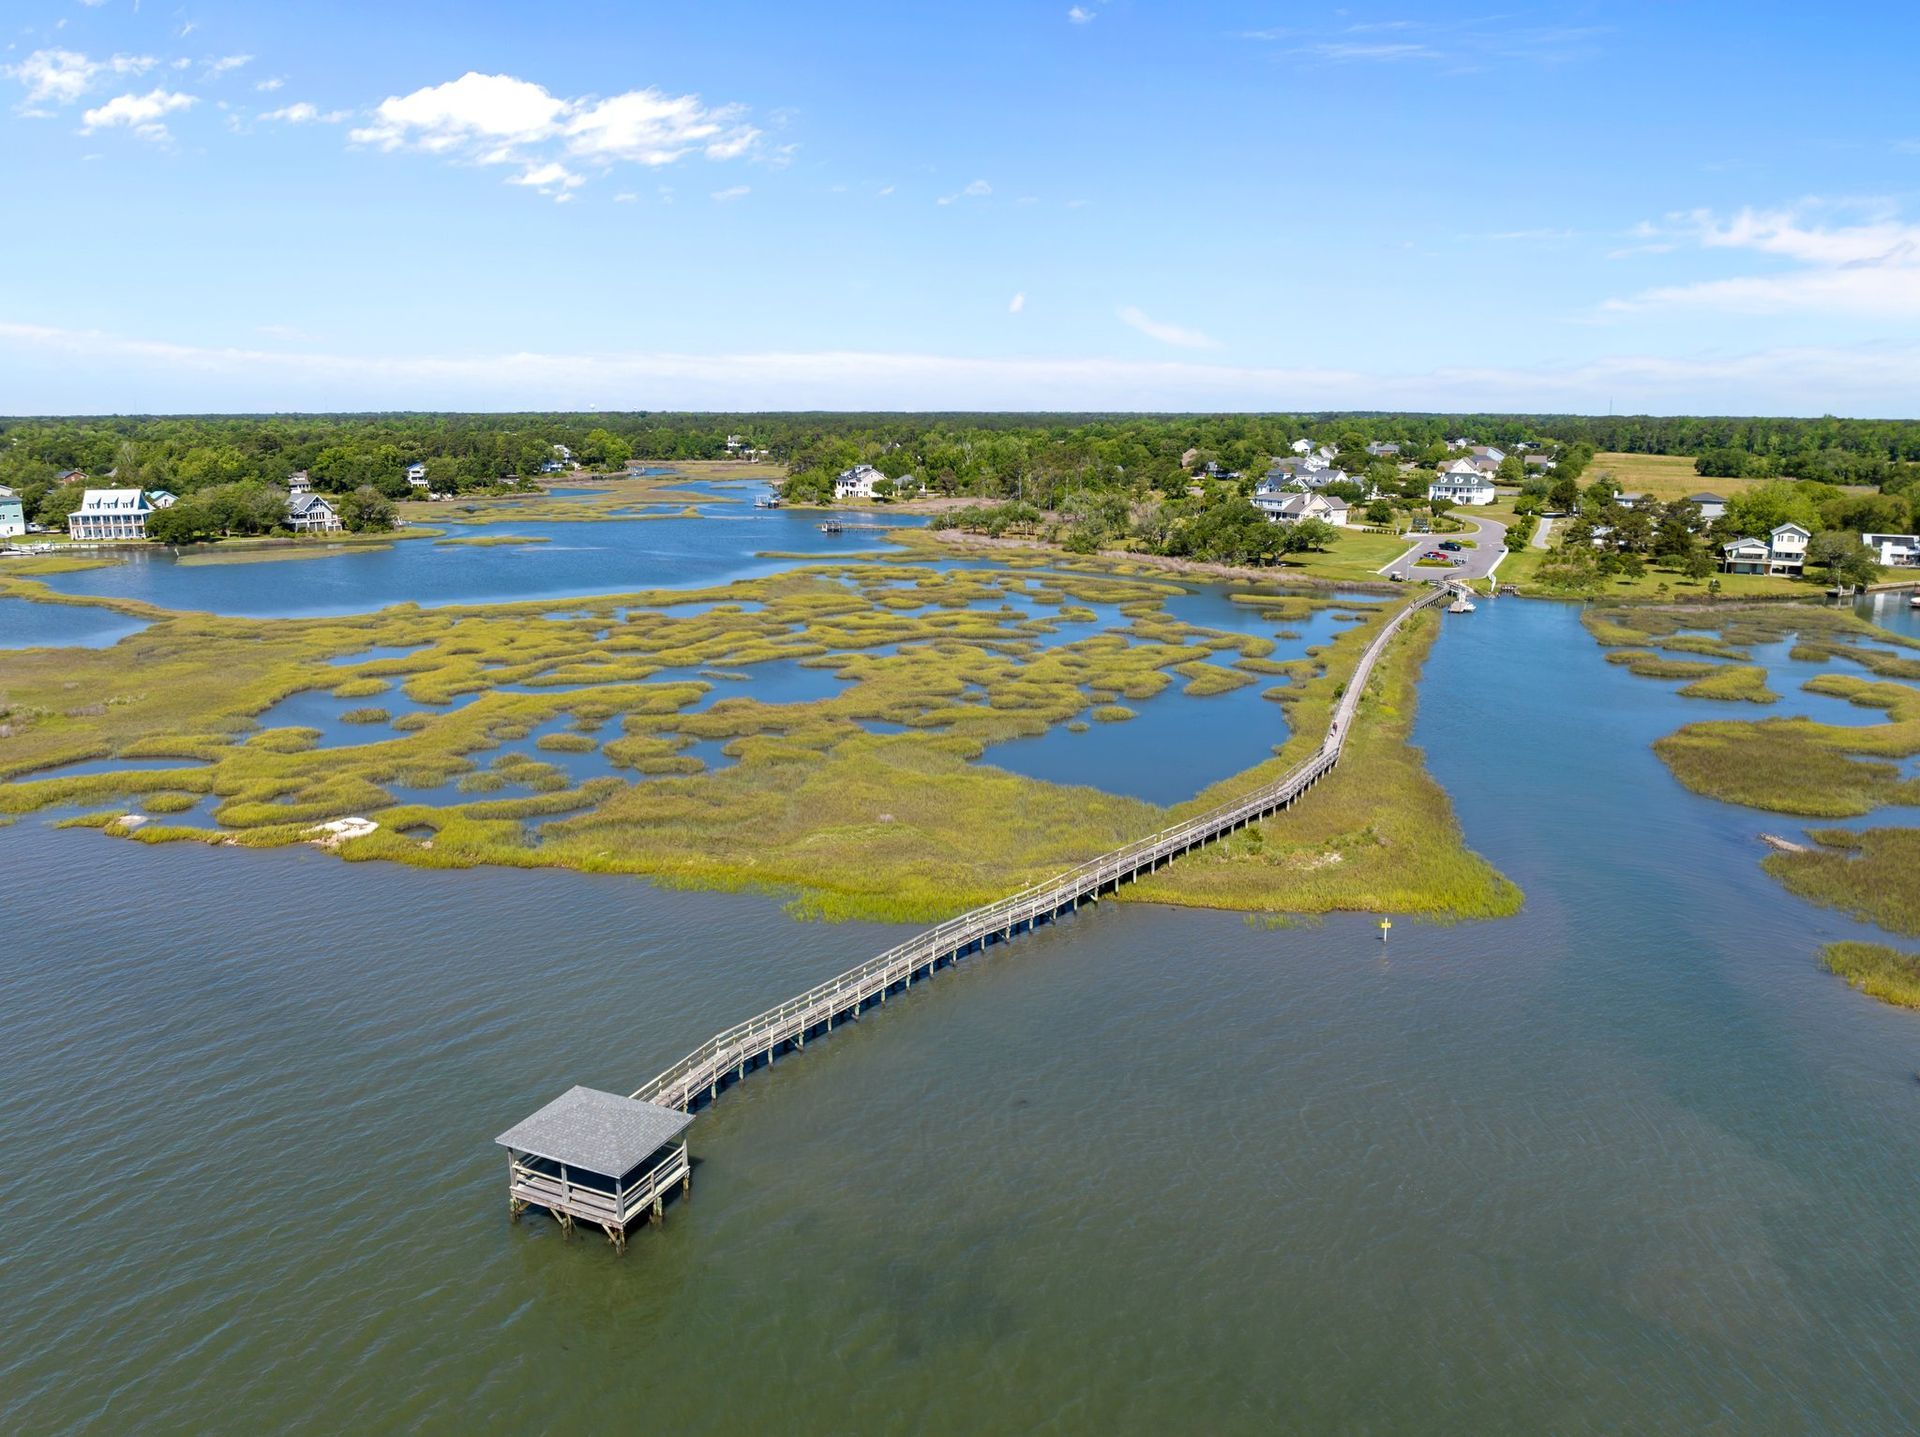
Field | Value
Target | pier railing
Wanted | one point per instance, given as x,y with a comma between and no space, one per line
728,1056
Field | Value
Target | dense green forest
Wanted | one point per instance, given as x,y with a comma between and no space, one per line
229,470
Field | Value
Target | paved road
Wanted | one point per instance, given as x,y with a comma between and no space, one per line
1489,543
1544,533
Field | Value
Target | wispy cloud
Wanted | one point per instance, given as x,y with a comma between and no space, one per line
732,192
223,63
1460,45
144,115
302,113
1080,15
1174,334
270,84
1870,266
60,77
979,189
74,371
500,119
1017,303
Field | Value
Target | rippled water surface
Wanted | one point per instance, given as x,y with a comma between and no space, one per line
1627,1162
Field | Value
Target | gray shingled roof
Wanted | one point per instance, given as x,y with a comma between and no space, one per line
598,1132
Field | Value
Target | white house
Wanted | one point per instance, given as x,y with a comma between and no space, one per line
13,519
1784,551
1539,462
1461,483
736,442
110,514
857,482
1282,507
1456,445
311,514
1711,506
1902,550
1301,446
417,475
299,482
162,498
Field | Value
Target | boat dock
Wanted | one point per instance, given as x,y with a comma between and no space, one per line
600,1158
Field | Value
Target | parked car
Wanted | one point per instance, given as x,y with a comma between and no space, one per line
1433,554
1450,545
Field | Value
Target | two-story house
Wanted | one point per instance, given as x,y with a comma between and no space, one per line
1784,551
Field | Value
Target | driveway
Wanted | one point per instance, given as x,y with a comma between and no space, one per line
1489,538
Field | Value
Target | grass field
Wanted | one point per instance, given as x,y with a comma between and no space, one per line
1670,476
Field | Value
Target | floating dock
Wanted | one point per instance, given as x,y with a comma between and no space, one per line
585,1156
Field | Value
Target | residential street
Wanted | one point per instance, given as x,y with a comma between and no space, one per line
1489,541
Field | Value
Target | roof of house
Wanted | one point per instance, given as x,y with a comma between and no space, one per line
1799,529
301,504
114,501
1705,499
1733,544
598,1132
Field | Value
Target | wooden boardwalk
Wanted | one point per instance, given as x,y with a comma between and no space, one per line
726,1058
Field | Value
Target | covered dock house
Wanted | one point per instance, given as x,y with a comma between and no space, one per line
596,1157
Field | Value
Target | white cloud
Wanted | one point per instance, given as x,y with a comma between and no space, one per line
1017,303
500,119
268,85
552,179
1166,333
883,191
978,189
100,373
1080,15
61,77
1869,267
302,113
224,63
626,197
142,114
731,192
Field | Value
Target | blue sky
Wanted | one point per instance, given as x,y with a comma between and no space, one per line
324,204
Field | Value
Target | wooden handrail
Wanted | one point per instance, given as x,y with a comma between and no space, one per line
726,1050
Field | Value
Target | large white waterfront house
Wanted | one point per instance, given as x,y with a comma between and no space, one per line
1461,483
417,475
857,482
1784,551
1287,506
110,514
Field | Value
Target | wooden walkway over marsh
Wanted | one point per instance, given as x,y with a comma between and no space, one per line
595,1157
727,1057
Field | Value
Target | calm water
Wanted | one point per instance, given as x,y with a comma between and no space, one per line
1628,1162
588,557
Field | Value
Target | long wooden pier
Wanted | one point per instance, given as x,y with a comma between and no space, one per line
728,1057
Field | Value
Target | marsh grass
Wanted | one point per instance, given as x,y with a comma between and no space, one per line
904,826
1876,970
1377,835
1873,875
1738,684
1783,765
